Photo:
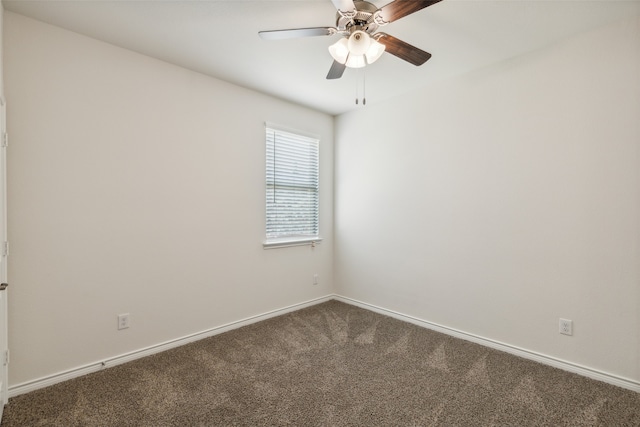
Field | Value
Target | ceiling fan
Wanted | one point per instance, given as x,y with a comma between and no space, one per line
358,22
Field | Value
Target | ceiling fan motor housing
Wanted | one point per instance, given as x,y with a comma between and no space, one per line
362,21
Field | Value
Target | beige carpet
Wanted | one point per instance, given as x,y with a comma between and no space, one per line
329,365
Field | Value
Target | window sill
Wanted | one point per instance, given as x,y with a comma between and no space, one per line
285,243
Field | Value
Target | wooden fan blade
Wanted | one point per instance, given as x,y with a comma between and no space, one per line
336,70
344,5
403,50
297,32
400,8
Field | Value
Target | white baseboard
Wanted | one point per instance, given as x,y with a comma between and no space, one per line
521,352
137,354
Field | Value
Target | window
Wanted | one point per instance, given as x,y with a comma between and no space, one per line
292,188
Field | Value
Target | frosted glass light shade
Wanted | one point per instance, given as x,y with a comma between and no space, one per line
359,42
356,61
374,52
339,50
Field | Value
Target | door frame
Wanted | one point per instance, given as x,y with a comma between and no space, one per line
4,254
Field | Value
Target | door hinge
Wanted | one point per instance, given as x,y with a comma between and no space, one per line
5,248
6,357
5,139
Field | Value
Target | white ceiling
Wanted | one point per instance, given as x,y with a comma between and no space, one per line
220,38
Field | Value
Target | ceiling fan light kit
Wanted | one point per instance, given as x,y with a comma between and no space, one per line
357,51
357,22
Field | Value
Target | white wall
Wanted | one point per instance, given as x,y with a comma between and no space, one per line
504,199
136,186
1,50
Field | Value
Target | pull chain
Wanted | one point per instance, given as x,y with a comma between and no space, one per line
357,94
357,75
364,87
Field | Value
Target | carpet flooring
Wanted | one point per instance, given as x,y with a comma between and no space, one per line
332,364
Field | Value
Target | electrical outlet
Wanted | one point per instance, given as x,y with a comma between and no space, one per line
123,321
566,327
315,279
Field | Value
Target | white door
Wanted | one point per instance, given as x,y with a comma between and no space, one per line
4,253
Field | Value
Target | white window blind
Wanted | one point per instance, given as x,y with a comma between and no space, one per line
292,186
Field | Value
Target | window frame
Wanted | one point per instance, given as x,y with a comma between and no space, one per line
284,240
